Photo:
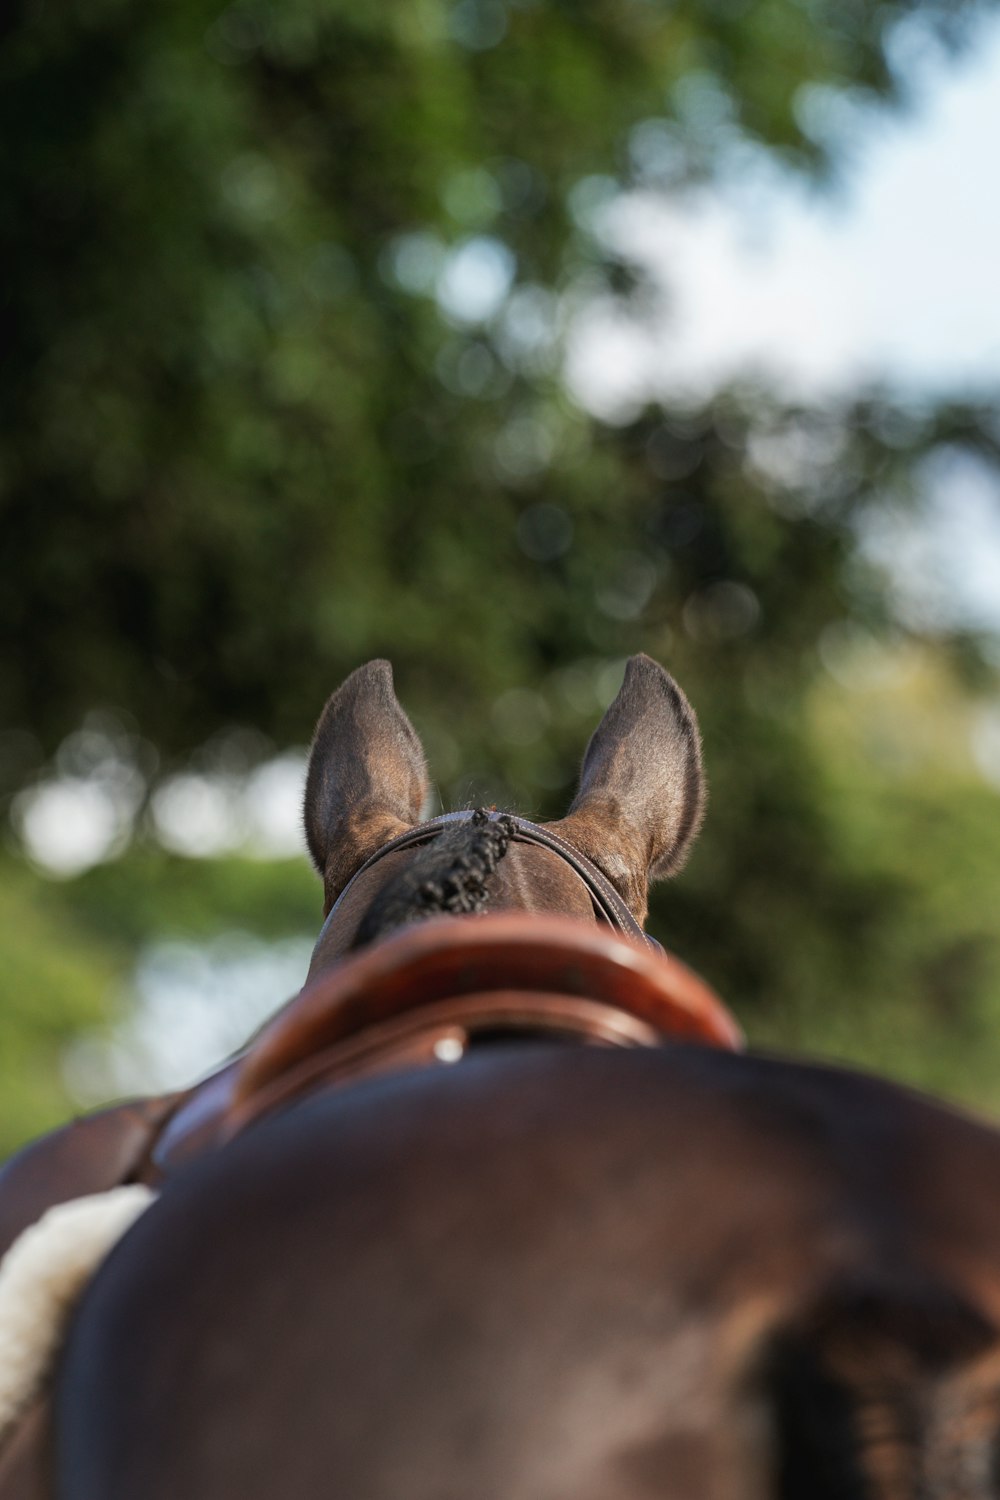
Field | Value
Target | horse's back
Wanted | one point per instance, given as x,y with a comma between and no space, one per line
542,1273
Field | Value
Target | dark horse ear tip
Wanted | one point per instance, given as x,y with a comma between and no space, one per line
372,681
377,671
643,669
645,676
643,666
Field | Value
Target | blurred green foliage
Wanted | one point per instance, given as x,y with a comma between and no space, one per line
68,952
241,448
57,980
250,438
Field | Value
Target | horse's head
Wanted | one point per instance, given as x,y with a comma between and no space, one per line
424,997
634,817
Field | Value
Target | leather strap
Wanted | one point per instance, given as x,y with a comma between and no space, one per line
89,1155
608,905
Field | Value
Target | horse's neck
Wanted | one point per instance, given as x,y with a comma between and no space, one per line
529,880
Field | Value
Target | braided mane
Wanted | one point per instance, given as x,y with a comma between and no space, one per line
449,875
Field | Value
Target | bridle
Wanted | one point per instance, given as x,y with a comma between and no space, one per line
609,907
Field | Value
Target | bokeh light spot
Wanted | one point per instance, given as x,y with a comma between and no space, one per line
544,532
475,279
722,612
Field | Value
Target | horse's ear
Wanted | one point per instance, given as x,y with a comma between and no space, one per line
367,779
642,789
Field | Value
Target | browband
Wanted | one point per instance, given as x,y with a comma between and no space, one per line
608,905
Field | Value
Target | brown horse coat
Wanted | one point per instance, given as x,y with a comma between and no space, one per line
549,1272
557,1275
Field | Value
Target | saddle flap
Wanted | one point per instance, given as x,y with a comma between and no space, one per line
90,1155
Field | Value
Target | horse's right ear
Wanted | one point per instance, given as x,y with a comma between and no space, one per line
367,780
642,788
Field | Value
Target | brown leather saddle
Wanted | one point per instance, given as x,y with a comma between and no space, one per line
424,996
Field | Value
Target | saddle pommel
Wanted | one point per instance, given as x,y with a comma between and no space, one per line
425,995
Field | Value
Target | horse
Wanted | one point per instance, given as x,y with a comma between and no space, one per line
483,1259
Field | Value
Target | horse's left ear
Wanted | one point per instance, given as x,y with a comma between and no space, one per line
367,779
642,790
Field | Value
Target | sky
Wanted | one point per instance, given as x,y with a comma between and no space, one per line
891,276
